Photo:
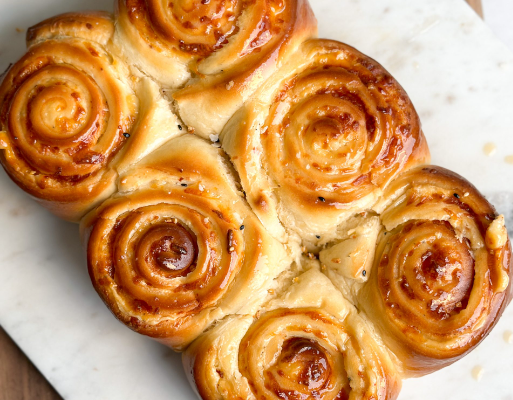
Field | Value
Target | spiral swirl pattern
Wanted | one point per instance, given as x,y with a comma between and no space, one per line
339,129
162,258
169,257
198,28
65,111
215,52
437,287
194,27
302,353
414,265
305,354
336,130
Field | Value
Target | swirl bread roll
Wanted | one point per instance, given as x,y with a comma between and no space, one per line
177,248
322,138
308,343
70,114
441,272
216,51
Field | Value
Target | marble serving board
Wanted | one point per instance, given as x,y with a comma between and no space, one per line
460,78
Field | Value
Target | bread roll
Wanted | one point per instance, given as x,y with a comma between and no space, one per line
308,343
176,248
216,52
322,139
254,196
71,115
442,268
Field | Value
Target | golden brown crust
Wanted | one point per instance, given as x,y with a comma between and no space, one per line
297,348
323,137
72,117
327,150
437,288
97,26
177,249
226,81
64,113
228,47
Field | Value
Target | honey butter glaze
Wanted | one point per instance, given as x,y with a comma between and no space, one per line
171,247
147,256
64,110
441,271
198,28
216,52
296,353
304,367
254,196
73,116
190,32
165,254
304,363
331,131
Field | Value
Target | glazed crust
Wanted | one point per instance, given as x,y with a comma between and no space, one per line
72,116
207,103
228,48
255,196
97,26
442,269
308,343
176,249
323,138
64,109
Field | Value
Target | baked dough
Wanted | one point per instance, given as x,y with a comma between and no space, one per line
255,196
217,53
322,138
307,343
177,248
441,271
71,115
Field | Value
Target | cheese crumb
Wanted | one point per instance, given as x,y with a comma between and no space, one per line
496,234
477,373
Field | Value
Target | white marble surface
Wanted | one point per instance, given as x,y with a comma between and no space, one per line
461,80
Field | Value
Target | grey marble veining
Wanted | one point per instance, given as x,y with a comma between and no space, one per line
461,81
